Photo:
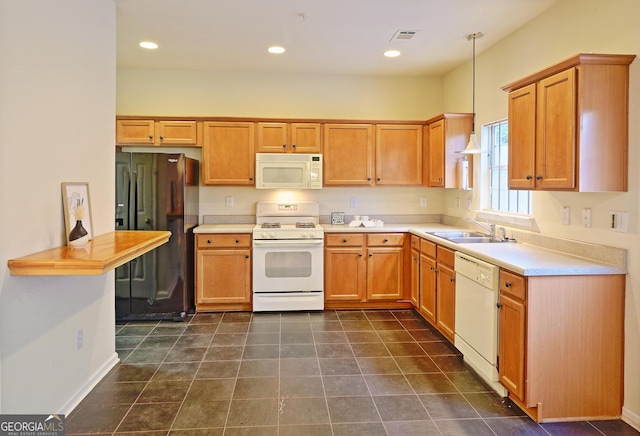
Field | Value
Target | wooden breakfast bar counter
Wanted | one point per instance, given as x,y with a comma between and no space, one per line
102,254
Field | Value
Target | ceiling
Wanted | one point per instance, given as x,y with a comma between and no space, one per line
320,36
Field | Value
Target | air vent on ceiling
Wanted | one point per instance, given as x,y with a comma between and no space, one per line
403,35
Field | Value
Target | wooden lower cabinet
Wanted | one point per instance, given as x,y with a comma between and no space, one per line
561,345
437,287
366,270
223,272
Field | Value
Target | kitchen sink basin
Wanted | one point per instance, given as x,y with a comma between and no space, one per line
474,240
461,237
458,234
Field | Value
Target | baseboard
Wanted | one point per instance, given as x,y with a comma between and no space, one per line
84,390
631,418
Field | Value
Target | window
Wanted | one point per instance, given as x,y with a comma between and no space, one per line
503,199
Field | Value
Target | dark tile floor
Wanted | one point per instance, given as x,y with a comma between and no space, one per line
334,373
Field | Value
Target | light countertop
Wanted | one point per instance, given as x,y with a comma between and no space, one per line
521,258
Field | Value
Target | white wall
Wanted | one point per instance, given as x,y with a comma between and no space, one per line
57,82
571,27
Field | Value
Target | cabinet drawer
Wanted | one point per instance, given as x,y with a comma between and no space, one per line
513,284
223,240
446,255
428,248
385,239
344,239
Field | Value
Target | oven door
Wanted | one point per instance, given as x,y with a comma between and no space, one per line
288,266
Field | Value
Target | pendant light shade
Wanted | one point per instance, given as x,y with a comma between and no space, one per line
472,146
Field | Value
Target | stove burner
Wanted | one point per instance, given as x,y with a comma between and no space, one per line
305,225
270,225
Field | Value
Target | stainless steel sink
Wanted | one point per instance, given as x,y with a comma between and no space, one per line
475,240
461,237
458,234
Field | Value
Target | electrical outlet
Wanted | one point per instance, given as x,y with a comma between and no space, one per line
586,217
354,201
565,215
228,201
423,201
79,339
620,221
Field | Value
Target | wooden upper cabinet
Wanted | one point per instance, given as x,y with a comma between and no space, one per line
446,134
522,140
136,132
398,154
348,154
289,138
152,132
228,156
575,114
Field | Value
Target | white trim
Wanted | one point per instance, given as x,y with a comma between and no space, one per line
84,390
631,418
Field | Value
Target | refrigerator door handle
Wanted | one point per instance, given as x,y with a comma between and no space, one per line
134,179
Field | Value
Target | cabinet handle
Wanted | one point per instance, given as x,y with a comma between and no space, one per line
150,137
237,241
378,179
432,268
368,179
529,177
359,254
507,284
344,241
499,305
439,179
452,280
370,254
294,146
161,138
208,241
538,177
246,256
437,270
251,179
385,240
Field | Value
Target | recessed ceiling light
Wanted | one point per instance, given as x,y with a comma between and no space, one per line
392,53
276,49
148,44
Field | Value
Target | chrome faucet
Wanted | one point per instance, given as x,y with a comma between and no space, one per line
488,227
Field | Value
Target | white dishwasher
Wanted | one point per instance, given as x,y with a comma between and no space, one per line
476,325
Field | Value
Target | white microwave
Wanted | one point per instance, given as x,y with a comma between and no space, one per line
288,171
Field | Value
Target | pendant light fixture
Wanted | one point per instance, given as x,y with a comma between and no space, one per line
473,147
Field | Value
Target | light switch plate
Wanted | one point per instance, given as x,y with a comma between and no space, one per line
337,218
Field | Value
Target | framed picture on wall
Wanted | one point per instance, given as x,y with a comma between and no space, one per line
77,206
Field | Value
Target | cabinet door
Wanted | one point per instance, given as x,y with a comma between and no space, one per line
436,153
176,133
385,273
556,134
272,138
428,284
446,301
398,155
348,154
415,278
228,157
223,276
511,348
305,138
522,137
345,274
139,132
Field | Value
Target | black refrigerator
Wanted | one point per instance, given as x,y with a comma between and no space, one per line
157,191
